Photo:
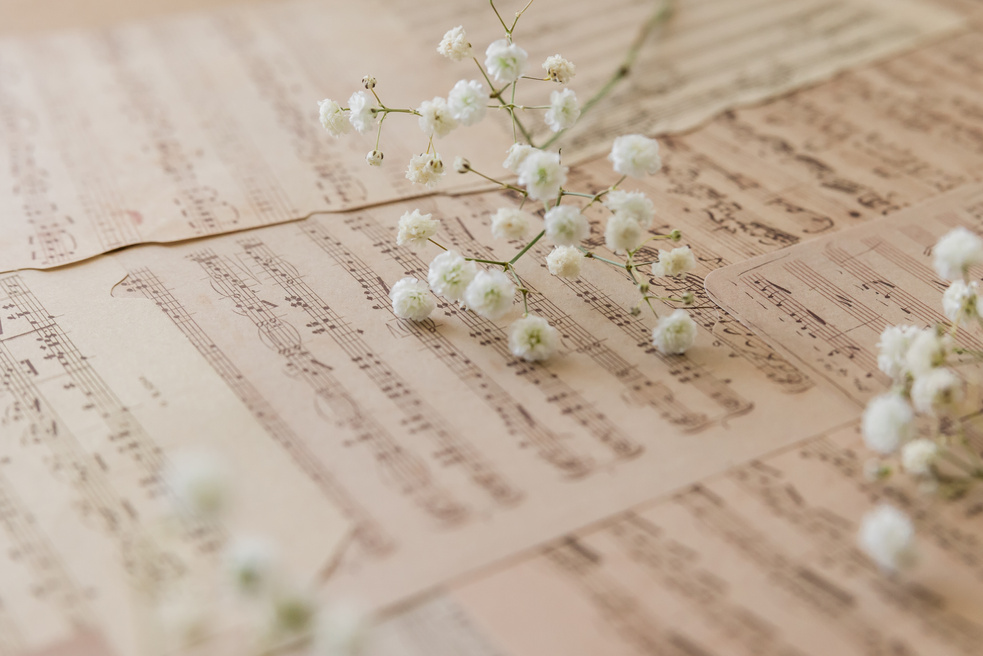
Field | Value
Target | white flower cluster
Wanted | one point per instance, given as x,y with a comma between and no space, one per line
926,392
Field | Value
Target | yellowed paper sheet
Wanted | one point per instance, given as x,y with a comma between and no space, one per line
97,396
761,561
827,301
206,123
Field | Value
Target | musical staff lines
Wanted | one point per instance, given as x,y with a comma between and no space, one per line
367,532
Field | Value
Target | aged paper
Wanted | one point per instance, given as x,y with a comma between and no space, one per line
432,436
206,123
826,302
760,561
97,396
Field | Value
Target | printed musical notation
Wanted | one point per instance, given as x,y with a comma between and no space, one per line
759,560
90,415
827,301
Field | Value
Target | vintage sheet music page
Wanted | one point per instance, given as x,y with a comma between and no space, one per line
206,123
97,396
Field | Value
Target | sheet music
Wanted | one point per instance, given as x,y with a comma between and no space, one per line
827,301
759,561
97,395
206,123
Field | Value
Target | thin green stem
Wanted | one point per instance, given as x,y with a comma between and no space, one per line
661,15
504,185
437,244
500,20
526,248
518,15
504,265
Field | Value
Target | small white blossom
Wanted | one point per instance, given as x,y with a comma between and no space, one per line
566,225
927,350
250,563
435,118
887,536
622,233
490,294
564,110
516,156
892,350
674,334
505,61
425,169
888,422
199,485
468,102
936,389
455,44
533,339
635,155
955,252
411,299
675,262
510,223
565,261
542,175
374,158
559,69
361,112
461,164
333,118
450,274
631,203
918,456
415,228
962,301
342,631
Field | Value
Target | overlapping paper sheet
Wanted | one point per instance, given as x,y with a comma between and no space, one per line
207,123
826,302
97,396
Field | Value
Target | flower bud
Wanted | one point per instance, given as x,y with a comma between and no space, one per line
462,165
688,298
635,311
369,82
643,287
374,158
676,235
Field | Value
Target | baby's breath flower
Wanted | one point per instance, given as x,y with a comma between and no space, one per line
468,102
559,69
566,225
333,118
635,155
675,262
631,203
955,252
532,338
622,233
369,82
563,111
674,334
510,223
893,350
435,118
918,456
461,165
361,112
542,175
888,422
936,390
342,631
415,228
962,301
250,563
411,299
565,261
490,294
450,274
199,485
887,536
374,158
455,45
505,61
425,169
927,350
516,156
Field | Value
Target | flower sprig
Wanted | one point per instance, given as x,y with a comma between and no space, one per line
547,207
